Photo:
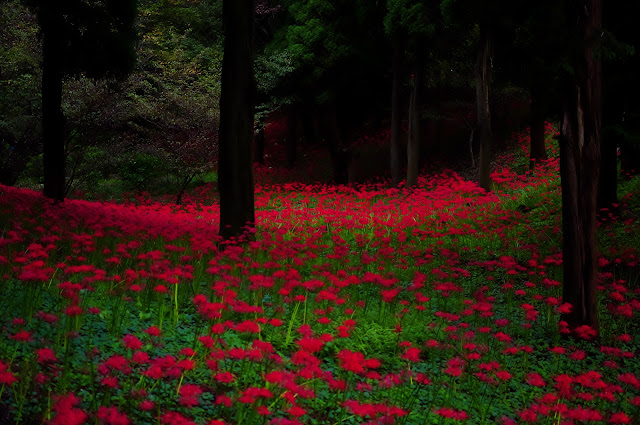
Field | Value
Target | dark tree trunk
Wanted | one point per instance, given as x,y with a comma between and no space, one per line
258,153
608,185
308,129
52,117
339,153
17,160
579,168
538,150
292,136
483,79
237,107
614,102
396,119
414,139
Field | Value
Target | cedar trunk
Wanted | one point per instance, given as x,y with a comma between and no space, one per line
579,168
237,106
258,142
538,151
292,137
53,155
396,118
612,126
483,77
414,139
339,152
608,185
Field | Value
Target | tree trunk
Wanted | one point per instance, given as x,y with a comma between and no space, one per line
614,101
237,107
308,128
579,169
396,119
339,152
258,153
483,77
608,185
292,136
52,117
538,150
413,142
17,160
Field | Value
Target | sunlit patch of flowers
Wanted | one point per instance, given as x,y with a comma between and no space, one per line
351,305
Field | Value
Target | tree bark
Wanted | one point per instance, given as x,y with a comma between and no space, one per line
538,150
292,136
579,168
414,139
53,155
396,119
339,153
483,77
258,153
237,108
608,185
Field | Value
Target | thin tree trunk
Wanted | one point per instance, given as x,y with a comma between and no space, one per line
292,136
608,185
52,117
310,134
579,168
339,152
396,119
237,107
538,150
413,142
259,146
483,77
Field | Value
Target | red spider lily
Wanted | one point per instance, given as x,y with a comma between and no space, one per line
175,418
46,355
458,415
619,418
455,367
351,361
411,354
66,412
535,379
132,342
111,416
585,332
6,377
189,395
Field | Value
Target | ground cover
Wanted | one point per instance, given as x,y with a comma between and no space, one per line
352,305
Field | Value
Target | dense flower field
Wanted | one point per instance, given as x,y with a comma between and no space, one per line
351,305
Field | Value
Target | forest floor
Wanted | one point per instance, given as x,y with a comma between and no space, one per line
352,304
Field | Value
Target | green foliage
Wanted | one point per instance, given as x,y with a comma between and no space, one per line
408,18
140,171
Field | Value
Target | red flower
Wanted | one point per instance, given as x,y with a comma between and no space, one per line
619,418
585,332
535,380
458,415
412,354
132,342
146,405
66,413
46,355
152,331
174,418
189,395
22,336
111,416
224,377
351,361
